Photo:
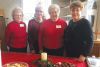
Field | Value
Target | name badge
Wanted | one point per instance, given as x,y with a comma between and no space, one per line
21,25
58,26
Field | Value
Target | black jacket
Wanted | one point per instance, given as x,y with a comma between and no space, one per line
78,38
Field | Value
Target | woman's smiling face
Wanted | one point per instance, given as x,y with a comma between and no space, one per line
18,16
76,13
54,14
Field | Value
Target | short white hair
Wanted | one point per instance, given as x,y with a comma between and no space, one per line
54,6
17,9
39,7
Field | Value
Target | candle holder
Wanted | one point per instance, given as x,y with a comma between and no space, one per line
43,61
42,64
45,64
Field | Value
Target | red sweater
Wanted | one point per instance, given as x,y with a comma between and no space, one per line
51,34
16,35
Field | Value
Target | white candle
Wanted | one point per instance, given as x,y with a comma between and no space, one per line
44,56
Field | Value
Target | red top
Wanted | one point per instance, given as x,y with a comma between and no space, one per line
51,34
16,35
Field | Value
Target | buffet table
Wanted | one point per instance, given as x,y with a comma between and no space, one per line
29,58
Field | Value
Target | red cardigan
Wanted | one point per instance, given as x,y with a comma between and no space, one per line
16,35
33,32
51,34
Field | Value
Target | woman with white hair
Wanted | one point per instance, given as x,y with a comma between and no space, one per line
15,34
33,29
51,32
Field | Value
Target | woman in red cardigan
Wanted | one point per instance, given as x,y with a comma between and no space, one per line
16,36
52,32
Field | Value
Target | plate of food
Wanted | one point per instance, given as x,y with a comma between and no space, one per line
64,64
16,64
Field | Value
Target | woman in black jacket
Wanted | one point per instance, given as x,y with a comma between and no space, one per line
78,36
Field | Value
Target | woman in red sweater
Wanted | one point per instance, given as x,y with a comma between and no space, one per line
16,36
52,32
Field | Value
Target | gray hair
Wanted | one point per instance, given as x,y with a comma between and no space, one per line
17,9
38,7
54,6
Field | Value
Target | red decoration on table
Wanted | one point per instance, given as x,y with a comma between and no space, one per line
29,58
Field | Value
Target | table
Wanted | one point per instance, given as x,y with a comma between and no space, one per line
29,57
96,48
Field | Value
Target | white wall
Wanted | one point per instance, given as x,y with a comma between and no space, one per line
8,5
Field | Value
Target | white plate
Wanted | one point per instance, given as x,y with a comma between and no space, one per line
93,62
16,64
